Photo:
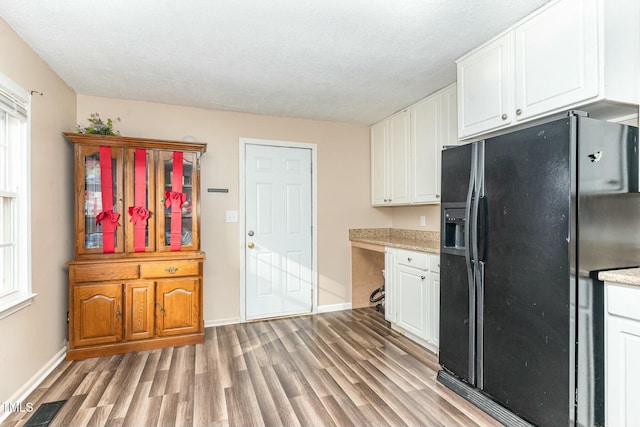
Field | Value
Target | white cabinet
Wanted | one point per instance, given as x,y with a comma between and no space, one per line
484,88
390,161
411,293
415,289
433,125
622,355
566,55
406,151
389,288
426,145
379,167
434,297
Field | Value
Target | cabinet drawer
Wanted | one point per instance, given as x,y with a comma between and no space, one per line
170,269
413,259
434,262
102,272
623,301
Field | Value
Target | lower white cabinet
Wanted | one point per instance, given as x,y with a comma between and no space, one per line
389,294
413,282
622,355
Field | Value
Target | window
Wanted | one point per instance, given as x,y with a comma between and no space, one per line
15,218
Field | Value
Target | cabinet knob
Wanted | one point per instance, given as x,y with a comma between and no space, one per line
118,312
504,117
409,259
518,112
423,277
159,307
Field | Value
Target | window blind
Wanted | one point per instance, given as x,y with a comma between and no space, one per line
13,103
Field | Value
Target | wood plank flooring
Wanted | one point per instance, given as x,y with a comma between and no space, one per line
344,368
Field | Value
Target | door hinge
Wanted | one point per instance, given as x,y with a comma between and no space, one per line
67,317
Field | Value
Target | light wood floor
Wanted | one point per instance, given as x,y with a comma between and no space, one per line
344,368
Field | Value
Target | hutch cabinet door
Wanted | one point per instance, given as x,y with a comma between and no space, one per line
178,306
89,233
140,191
188,217
97,311
139,318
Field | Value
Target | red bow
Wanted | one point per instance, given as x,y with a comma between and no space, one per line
139,215
110,216
174,199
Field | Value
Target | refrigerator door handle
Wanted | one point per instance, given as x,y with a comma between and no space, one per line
479,276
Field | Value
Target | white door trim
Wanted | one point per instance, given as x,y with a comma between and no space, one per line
242,215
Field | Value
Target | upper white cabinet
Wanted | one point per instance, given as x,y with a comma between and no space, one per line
390,160
405,151
484,88
569,54
433,125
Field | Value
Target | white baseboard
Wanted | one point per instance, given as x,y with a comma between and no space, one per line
334,307
221,322
33,383
236,320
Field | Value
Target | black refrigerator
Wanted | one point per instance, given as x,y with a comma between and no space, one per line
528,220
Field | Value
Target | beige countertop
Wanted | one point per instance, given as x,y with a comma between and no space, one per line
415,240
628,276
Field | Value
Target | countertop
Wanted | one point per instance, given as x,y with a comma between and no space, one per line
414,240
628,276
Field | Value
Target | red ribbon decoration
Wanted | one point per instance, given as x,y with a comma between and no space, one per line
175,199
139,213
107,217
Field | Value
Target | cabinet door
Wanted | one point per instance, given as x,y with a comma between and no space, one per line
434,309
188,217
399,147
389,285
449,116
556,58
139,318
426,136
411,300
379,173
140,191
89,233
97,314
623,371
178,306
485,88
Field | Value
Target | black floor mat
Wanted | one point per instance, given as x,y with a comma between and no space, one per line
45,414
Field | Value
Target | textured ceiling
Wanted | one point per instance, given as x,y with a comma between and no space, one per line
345,60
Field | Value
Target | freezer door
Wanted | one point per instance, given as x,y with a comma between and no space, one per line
526,337
457,315
456,168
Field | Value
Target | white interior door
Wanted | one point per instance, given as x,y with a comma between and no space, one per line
278,234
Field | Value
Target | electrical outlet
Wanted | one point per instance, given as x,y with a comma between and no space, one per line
423,221
232,216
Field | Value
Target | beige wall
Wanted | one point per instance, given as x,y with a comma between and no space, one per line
408,217
343,187
33,336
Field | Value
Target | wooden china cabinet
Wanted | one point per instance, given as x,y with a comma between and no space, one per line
136,280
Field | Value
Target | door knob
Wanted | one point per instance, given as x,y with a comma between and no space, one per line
250,245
